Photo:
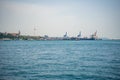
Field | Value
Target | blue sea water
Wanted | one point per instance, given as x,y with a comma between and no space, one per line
60,60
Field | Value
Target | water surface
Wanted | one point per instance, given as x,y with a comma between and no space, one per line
60,60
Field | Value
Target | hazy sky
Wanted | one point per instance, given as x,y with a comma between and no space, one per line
55,17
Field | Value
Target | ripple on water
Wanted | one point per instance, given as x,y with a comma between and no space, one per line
59,60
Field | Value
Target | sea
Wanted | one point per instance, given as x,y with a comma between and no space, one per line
60,60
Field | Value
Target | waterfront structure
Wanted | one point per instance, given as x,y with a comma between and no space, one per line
79,35
94,36
65,36
9,36
14,34
18,36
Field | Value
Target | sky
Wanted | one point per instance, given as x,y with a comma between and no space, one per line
55,17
